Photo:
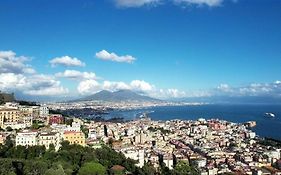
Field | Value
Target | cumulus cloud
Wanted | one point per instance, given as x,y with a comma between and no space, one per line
141,85
17,75
12,81
113,86
76,75
10,63
135,3
41,85
254,89
166,93
92,86
88,87
66,61
175,93
104,55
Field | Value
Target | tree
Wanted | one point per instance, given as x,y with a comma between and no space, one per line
183,167
92,168
105,130
9,129
38,167
52,147
85,131
148,169
20,152
6,167
58,170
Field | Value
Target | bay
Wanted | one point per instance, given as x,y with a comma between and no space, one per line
266,126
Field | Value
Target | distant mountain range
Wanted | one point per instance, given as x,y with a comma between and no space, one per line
117,96
6,97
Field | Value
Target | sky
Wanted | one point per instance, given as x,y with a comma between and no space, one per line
162,48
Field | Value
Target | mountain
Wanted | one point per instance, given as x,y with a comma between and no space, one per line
117,96
5,97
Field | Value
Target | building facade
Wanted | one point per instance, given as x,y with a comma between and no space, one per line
74,137
46,139
26,138
8,115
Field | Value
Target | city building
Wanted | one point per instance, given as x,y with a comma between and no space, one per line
55,119
74,137
9,115
48,138
26,138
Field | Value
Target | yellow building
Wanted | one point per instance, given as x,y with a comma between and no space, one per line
74,137
9,115
32,111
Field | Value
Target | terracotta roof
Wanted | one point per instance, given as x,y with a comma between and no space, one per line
117,168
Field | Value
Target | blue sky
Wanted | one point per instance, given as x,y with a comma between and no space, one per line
176,48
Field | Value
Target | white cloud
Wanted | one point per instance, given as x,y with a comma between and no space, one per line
104,55
224,88
141,85
48,91
113,86
12,81
167,93
42,85
210,3
88,87
254,89
175,93
76,75
135,3
66,61
10,63
92,86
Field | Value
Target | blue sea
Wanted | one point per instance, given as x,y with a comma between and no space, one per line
266,126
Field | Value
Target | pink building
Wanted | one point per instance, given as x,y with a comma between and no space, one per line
56,119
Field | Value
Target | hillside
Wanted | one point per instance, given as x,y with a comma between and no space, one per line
6,97
121,95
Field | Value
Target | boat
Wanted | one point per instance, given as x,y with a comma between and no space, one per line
269,114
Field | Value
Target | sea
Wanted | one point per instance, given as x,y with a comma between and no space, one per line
266,126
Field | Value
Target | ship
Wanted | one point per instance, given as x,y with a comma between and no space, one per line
269,114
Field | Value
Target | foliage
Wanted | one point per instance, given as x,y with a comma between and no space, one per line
85,130
92,168
9,129
68,160
162,130
183,167
36,124
27,103
68,121
74,160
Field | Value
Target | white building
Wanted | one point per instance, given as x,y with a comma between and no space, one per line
92,134
46,139
75,126
168,160
26,138
43,111
135,154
